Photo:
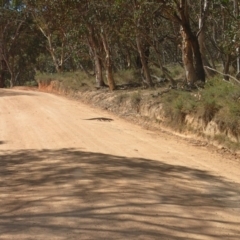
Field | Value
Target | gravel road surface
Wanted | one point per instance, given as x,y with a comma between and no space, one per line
70,171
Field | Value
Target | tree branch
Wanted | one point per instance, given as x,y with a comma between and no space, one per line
227,75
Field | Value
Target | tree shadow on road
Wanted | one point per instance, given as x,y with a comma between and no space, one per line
72,194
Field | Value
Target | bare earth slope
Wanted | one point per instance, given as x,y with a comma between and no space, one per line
68,172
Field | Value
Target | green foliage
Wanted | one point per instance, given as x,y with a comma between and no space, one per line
218,89
31,83
224,2
70,81
177,104
177,71
221,139
181,101
208,109
218,101
20,44
125,76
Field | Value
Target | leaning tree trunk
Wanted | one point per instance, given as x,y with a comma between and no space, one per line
10,68
201,40
144,64
50,48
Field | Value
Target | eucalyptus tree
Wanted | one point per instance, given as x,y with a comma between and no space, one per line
12,27
202,24
236,5
140,18
162,36
133,29
191,54
2,43
112,33
99,22
106,17
87,32
154,23
5,22
52,19
223,33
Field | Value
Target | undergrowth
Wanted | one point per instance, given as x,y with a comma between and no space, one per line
224,99
218,101
128,76
70,80
177,104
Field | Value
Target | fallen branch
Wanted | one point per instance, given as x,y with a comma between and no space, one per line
159,79
227,75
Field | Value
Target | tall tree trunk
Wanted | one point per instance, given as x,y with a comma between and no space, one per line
187,56
236,13
201,40
193,57
226,67
98,71
109,70
198,59
12,72
2,73
140,45
138,62
128,59
2,62
201,37
97,60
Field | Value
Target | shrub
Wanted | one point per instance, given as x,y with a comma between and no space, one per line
177,104
136,98
69,80
125,77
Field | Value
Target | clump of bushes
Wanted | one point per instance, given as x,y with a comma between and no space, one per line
177,104
223,98
69,80
218,100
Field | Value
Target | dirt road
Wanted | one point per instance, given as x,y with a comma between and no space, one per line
67,173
